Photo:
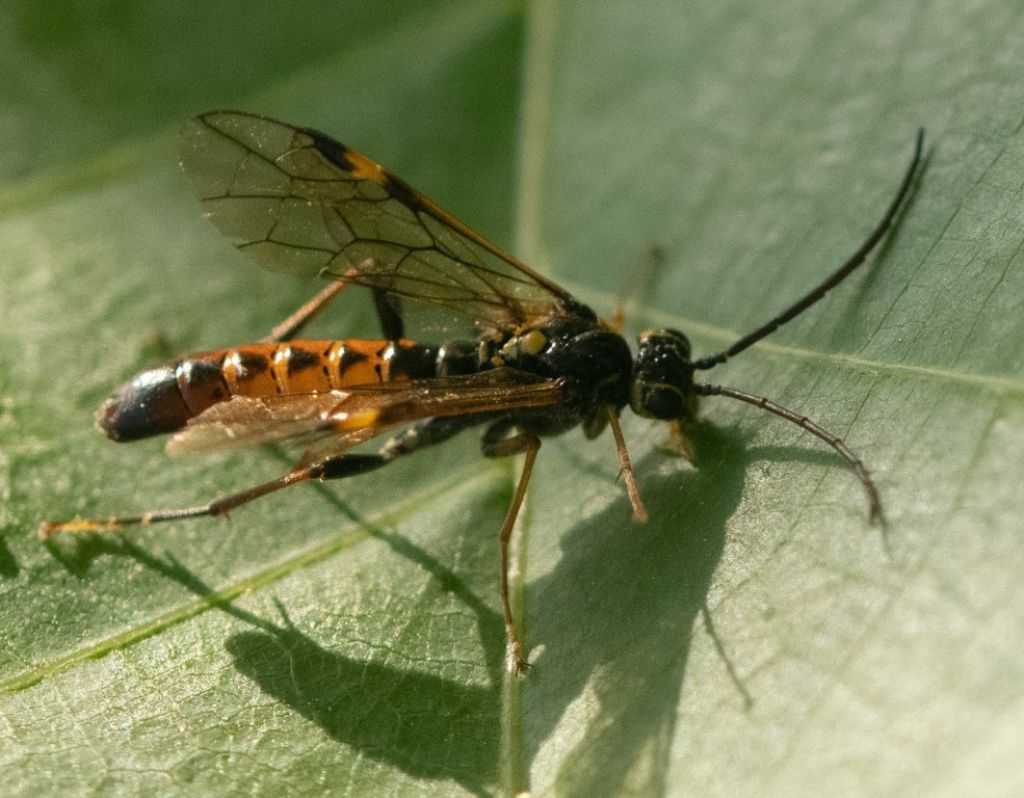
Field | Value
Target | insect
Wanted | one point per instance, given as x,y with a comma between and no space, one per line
540,362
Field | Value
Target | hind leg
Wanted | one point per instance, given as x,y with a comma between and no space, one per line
419,436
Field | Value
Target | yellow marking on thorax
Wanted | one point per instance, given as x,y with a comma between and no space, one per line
533,342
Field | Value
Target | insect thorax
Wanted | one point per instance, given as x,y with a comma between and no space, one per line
596,361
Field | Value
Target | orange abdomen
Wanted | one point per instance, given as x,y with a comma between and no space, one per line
163,399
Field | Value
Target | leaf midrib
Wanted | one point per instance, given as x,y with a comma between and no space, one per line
123,160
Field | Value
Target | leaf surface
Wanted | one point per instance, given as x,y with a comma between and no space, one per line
757,636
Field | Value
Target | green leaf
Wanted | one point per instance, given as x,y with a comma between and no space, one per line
758,636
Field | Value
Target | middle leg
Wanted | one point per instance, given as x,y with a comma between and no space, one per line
387,306
496,444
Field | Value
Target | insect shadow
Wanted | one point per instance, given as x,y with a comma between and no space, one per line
411,720
616,617
427,726
617,614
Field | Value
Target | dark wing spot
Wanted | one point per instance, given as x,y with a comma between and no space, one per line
402,192
333,151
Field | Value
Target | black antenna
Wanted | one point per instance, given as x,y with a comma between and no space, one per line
874,504
841,274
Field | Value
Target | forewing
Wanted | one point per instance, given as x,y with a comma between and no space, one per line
333,422
251,420
299,202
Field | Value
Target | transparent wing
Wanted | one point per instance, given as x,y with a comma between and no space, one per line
299,202
250,420
336,421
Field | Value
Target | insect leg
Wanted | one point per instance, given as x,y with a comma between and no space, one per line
425,433
418,436
495,444
389,313
220,506
639,275
639,513
386,305
291,326
805,423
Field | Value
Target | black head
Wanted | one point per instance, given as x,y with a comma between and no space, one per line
662,385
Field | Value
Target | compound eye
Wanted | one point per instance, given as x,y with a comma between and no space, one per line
663,403
680,340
